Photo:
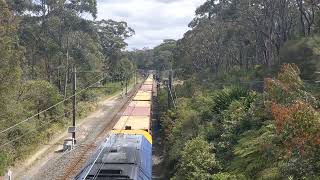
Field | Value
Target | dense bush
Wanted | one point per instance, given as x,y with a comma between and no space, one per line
197,160
246,134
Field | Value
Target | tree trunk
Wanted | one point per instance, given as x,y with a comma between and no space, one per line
302,25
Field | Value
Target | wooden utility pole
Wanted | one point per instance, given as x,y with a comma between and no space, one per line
74,102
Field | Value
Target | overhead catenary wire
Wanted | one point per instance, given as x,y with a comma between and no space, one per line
51,107
29,132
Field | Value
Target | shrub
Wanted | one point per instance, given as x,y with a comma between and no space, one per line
197,161
224,98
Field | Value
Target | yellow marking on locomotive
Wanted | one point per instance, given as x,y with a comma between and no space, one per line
134,132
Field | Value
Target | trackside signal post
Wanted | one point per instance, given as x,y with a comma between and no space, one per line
70,142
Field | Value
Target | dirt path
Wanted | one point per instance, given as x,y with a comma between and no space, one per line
50,163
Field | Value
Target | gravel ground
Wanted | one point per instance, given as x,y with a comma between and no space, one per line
52,164
157,147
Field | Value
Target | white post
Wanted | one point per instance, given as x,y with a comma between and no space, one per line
9,174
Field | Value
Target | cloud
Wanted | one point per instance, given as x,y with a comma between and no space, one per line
153,20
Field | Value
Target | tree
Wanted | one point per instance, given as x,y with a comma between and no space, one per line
111,36
307,10
163,55
49,29
144,59
11,55
242,33
39,95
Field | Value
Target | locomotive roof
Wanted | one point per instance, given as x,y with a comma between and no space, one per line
120,157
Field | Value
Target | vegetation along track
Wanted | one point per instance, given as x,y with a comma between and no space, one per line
84,150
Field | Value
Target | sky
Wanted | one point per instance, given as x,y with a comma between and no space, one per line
152,20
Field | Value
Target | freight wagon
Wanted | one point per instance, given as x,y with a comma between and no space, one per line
127,151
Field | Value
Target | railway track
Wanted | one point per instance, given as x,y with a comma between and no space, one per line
78,161
85,150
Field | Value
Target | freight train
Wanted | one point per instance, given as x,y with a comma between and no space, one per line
127,151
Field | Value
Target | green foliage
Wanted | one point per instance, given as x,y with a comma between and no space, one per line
187,89
288,87
231,120
185,128
224,98
40,42
254,152
270,135
3,161
197,161
90,96
39,95
305,53
142,58
111,88
160,58
226,176
163,55
11,55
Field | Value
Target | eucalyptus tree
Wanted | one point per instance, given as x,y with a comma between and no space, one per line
48,30
164,55
111,35
307,15
143,58
243,33
11,55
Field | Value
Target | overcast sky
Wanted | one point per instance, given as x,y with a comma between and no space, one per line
152,20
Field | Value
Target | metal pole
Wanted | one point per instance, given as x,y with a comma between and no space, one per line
170,80
135,77
74,101
170,89
169,96
126,85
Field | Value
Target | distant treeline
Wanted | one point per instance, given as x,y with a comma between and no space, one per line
243,34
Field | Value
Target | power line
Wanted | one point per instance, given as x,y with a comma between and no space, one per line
8,142
31,117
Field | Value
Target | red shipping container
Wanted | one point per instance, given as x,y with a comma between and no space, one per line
137,111
146,87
